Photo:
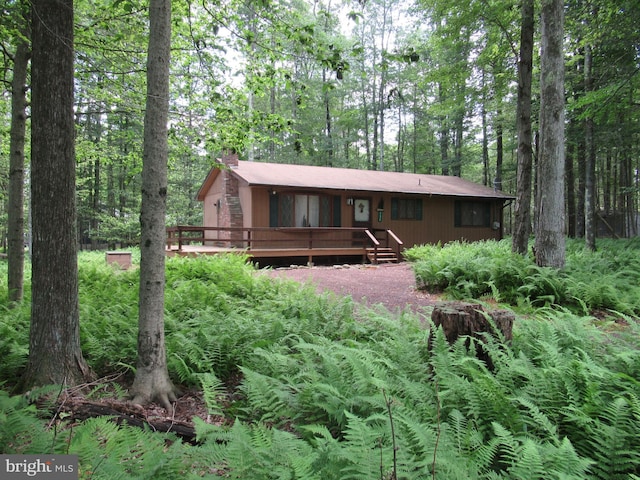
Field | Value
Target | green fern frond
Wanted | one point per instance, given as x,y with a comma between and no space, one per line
536,420
267,398
613,442
107,450
21,430
212,390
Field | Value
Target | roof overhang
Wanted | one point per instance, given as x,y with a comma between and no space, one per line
304,177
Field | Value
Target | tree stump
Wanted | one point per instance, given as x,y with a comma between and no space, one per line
459,319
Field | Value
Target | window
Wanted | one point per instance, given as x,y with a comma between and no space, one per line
304,210
472,214
406,209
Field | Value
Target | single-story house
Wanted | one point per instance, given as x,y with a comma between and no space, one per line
290,204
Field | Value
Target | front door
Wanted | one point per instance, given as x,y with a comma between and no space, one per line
362,212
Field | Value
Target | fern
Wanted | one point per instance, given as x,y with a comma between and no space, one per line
615,445
212,390
257,452
267,398
366,439
109,451
21,429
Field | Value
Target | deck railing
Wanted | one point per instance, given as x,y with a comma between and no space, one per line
266,238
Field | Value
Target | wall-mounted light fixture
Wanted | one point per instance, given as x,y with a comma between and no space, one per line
350,201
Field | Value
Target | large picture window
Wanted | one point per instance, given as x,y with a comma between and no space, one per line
406,209
304,210
472,214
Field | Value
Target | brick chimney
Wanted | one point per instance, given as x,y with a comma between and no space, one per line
230,210
230,158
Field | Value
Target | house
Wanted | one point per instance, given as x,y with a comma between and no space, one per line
267,206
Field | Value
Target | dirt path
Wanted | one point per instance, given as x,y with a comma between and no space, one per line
392,285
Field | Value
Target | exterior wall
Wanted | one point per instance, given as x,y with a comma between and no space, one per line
211,209
437,224
259,216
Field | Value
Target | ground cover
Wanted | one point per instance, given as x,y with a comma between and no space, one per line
293,383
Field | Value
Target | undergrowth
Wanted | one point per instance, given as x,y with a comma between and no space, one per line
328,391
605,280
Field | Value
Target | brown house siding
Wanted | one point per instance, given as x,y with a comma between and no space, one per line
437,224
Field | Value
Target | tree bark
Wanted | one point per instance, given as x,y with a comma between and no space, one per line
55,356
15,213
459,319
590,166
152,382
522,210
550,235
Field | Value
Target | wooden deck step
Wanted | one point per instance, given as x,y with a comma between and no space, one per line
384,255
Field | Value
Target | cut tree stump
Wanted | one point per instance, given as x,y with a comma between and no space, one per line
460,319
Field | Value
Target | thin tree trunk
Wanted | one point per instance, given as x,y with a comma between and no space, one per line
55,356
444,136
570,186
497,183
485,136
15,220
327,119
550,235
590,169
522,209
152,378
459,130
580,191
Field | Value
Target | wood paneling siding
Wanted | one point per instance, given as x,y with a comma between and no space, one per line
436,225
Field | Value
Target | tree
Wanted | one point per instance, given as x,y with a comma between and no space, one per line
522,210
54,341
152,380
550,239
15,211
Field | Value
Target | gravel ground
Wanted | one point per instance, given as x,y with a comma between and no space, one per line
392,285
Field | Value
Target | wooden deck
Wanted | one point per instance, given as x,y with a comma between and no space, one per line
285,242
308,253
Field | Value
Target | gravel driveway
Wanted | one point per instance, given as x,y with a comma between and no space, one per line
392,285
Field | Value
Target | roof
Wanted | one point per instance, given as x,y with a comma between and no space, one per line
277,175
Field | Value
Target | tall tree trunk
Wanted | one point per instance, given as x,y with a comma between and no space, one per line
152,378
570,186
581,162
485,135
459,131
15,220
497,183
550,235
55,356
522,209
444,136
381,109
590,167
327,119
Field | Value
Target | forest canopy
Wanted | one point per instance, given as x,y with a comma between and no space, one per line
424,86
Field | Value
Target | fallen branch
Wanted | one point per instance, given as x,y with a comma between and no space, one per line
125,413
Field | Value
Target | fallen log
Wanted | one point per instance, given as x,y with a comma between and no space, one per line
79,409
459,319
